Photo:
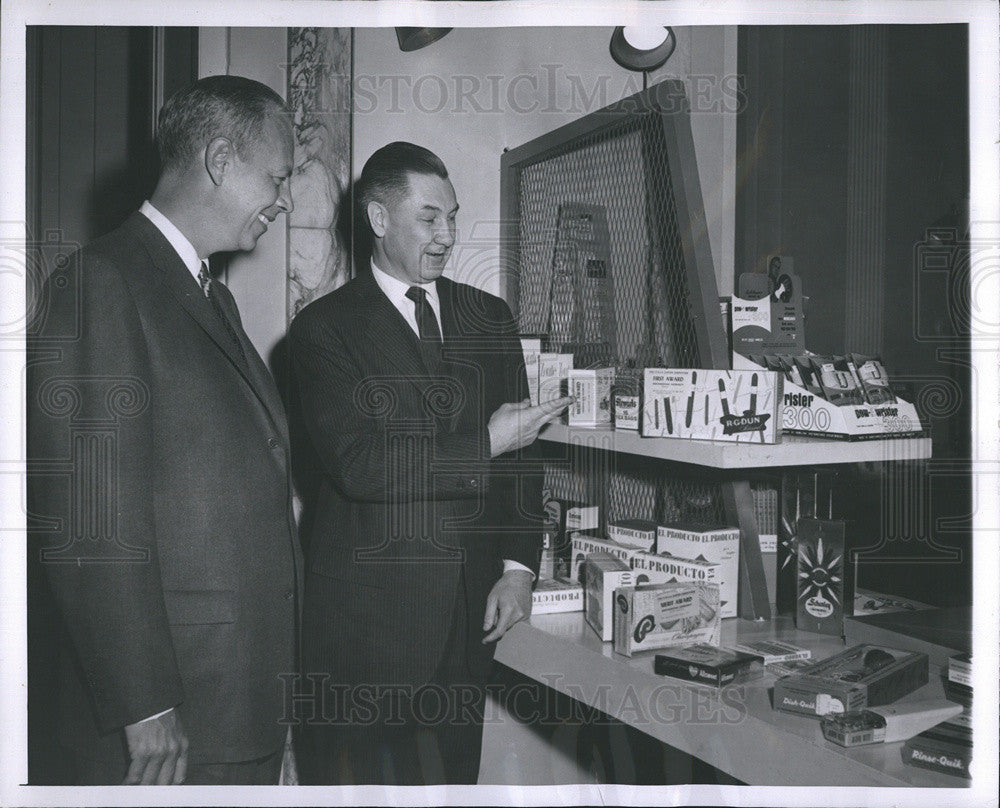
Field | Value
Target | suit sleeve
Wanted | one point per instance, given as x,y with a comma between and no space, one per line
517,476
347,414
90,489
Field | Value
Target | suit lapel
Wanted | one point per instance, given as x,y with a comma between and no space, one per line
389,334
185,289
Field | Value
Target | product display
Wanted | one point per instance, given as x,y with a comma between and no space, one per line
603,574
568,516
709,665
556,595
591,390
717,544
639,533
861,676
887,724
702,404
823,577
665,615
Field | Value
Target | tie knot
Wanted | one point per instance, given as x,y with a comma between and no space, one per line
204,278
416,294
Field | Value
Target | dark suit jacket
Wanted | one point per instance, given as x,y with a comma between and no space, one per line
410,497
161,503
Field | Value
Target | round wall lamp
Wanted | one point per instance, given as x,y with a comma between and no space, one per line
411,39
642,48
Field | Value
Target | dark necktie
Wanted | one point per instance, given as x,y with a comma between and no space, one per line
427,325
206,286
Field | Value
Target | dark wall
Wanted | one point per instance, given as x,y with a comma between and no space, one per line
795,157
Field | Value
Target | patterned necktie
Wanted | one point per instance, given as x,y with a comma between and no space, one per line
206,286
427,325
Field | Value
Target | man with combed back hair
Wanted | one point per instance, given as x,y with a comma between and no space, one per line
427,536
170,547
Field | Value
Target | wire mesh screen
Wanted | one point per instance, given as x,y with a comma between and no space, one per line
617,293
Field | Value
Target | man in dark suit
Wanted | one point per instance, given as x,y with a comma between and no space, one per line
427,535
158,445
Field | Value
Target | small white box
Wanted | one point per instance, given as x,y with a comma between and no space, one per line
583,517
604,574
553,375
640,533
717,544
531,347
583,544
626,410
591,390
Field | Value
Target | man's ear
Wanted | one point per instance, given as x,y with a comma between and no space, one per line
219,156
378,218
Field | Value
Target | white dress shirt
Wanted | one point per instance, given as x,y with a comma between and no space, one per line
395,290
184,248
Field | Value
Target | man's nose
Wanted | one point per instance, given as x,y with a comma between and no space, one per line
445,236
285,197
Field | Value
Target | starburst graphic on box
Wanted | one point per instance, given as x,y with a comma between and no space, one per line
820,568
790,542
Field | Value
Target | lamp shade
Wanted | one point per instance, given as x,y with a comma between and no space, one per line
411,39
642,49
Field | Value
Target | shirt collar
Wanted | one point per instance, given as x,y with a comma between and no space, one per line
177,239
396,290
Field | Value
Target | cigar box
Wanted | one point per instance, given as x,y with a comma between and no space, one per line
702,404
556,595
583,543
665,615
603,574
653,568
709,665
859,677
715,543
638,533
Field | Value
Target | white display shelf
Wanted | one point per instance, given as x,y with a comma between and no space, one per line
792,451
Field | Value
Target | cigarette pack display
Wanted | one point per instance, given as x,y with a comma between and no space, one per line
665,615
531,347
859,677
556,595
639,533
591,390
661,568
603,574
824,579
626,410
705,404
568,516
772,651
717,544
944,748
709,665
887,724
584,543
553,375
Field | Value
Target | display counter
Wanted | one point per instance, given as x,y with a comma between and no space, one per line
736,730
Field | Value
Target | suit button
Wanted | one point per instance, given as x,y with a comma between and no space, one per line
474,482
273,443
289,594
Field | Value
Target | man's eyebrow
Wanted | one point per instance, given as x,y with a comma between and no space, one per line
435,208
